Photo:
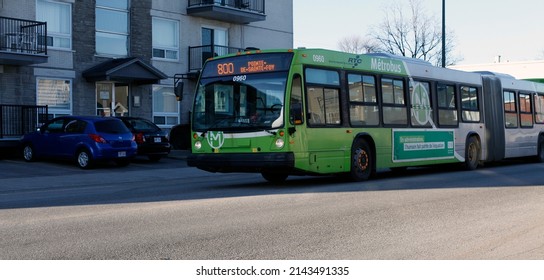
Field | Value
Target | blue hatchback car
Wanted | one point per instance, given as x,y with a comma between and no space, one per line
85,140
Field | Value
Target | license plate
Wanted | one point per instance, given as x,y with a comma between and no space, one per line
121,154
158,140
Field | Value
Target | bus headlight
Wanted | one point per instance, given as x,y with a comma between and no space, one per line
280,143
198,145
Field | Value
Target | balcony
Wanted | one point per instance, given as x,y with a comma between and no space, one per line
234,11
22,42
199,55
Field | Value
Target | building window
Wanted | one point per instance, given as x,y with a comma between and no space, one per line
165,106
215,41
165,38
59,23
112,27
56,94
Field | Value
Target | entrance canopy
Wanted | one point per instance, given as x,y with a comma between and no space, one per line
127,70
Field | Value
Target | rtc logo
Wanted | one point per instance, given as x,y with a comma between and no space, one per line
215,139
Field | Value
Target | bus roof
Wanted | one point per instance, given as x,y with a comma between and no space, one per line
388,64
382,63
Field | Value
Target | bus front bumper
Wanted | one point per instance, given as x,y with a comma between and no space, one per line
254,162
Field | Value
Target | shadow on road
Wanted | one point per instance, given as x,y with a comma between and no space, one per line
202,185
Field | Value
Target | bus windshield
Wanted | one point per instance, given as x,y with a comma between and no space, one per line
242,94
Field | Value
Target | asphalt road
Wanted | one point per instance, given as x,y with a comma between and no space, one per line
169,211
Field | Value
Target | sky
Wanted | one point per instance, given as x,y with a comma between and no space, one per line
483,29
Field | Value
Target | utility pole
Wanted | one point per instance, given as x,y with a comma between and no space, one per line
443,33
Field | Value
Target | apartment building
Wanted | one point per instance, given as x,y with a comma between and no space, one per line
122,57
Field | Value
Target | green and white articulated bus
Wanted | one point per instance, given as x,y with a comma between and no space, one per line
318,112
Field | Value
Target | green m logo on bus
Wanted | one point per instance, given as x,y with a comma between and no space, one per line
421,104
215,139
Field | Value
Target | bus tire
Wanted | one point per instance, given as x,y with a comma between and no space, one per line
362,161
277,178
472,153
540,154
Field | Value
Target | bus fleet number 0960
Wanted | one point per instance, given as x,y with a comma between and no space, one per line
318,58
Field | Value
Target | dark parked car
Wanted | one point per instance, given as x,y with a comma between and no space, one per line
152,140
83,139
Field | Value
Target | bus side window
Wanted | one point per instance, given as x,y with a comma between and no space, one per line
539,108
323,97
470,104
525,110
447,105
420,103
394,104
510,109
295,103
363,106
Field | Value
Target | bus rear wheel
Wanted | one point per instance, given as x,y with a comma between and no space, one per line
361,161
540,154
472,154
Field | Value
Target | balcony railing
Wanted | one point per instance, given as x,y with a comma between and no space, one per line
16,120
199,55
235,11
256,6
23,37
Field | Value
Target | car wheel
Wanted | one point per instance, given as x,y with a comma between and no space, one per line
28,153
84,159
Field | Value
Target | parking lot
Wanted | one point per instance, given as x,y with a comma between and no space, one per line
12,165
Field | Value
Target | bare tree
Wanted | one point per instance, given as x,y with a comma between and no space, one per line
411,32
357,45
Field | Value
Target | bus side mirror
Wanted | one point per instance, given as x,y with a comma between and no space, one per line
178,90
291,130
296,114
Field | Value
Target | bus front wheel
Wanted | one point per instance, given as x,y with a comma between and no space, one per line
361,161
472,154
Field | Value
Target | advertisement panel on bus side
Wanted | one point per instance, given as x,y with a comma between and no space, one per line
423,144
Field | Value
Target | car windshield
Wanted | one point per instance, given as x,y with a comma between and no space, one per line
254,103
111,126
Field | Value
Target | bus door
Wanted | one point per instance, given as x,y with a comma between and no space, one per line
326,141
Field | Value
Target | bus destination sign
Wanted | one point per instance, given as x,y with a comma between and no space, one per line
248,64
256,66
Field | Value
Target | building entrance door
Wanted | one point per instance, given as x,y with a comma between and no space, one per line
112,99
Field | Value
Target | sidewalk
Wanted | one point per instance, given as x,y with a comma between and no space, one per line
179,154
